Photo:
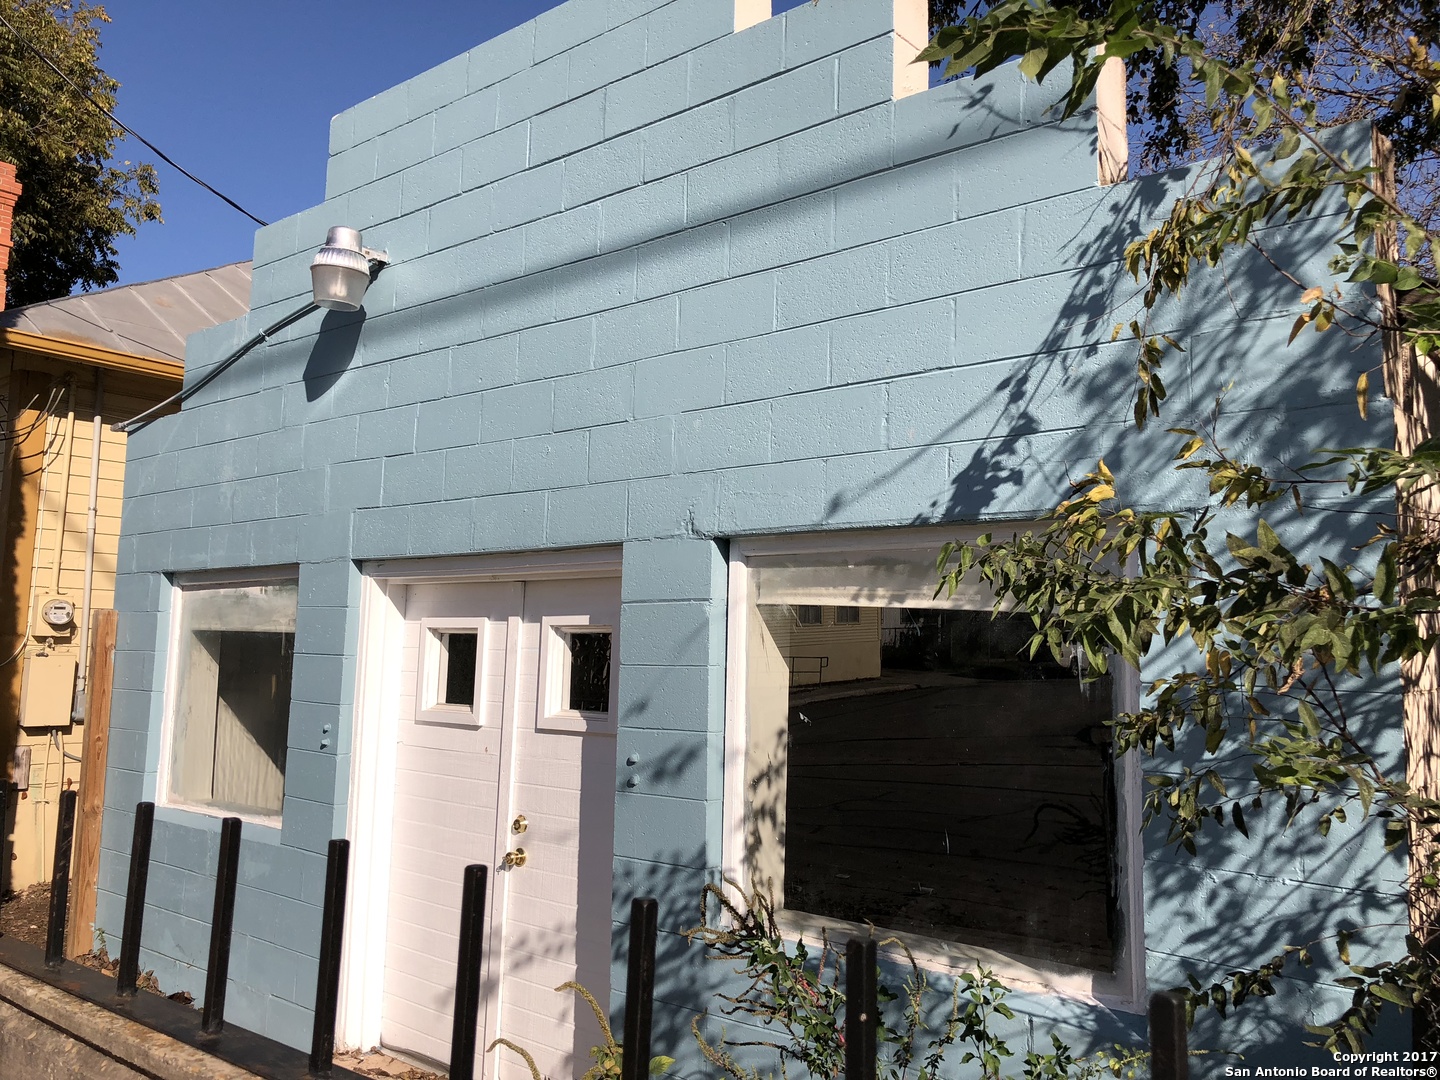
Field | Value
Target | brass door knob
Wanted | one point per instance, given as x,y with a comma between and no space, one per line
515,858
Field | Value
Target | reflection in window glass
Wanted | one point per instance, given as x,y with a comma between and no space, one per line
808,614
232,703
460,650
915,769
847,614
589,689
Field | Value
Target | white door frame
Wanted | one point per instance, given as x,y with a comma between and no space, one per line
371,804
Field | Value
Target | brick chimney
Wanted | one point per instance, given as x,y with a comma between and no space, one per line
9,194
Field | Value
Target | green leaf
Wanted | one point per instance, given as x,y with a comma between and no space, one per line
1384,584
1408,278
1032,61
1388,991
1308,719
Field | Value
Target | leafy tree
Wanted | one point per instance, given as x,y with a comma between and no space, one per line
1353,58
76,199
1283,646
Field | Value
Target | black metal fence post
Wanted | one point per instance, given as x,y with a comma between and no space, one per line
1169,1044
327,981
862,1009
467,973
8,793
217,973
639,989
127,977
60,880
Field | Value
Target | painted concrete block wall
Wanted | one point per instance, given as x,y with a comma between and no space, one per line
661,283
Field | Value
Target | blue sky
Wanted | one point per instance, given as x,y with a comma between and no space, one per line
241,94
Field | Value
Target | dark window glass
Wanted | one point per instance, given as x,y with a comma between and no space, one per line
807,614
589,672
460,650
939,781
847,614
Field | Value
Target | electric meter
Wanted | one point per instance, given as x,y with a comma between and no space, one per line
58,612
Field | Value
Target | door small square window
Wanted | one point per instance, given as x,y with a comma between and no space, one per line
451,671
577,686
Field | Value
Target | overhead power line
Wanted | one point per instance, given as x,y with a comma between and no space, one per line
125,127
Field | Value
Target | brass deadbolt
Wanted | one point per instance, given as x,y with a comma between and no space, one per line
519,825
516,858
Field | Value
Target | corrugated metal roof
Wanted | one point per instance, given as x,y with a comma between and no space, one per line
150,319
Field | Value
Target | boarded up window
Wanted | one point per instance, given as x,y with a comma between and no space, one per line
232,696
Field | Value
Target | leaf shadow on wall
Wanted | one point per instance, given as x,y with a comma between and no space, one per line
333,351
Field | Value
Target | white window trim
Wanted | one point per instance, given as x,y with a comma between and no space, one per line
1125,988
238,578
429,709
554,714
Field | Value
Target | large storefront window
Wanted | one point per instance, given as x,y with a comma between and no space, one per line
909,765
231,712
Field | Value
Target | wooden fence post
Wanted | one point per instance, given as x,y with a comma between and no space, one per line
85,879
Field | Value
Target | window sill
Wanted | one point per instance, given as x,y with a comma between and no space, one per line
1111,990
209,818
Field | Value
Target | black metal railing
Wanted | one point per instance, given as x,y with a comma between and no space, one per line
60,880
1167,1016
9,794
327,976
468,970
1169,1048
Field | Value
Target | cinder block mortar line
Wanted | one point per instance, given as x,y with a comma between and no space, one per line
1001,283
1160,857
692,226
299,333
631,132
479,292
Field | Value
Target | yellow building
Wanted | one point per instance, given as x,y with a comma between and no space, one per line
69,368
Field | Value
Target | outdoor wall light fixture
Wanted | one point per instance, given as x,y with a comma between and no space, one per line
342,270
339,275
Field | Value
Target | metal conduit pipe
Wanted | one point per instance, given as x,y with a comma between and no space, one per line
64,492
135,423
82,677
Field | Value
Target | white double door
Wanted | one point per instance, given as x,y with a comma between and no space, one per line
505,743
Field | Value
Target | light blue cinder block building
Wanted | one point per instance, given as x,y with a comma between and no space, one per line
598,547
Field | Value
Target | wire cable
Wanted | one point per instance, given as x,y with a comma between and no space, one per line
135,423
124,127
65,755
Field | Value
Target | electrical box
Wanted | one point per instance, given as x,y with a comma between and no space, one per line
49,691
